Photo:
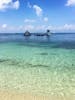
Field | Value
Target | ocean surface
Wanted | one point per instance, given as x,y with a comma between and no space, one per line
40,65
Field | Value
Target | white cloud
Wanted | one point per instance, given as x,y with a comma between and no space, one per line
45,19
5,4
69,27
29,27
29,5
70,3
29,20
37,28
63,28
4,26
16,4
38,10
40,28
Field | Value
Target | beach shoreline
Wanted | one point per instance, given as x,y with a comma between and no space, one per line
14,95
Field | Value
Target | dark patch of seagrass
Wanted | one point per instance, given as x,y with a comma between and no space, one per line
38,65
10,62
43,53
3,60
14,63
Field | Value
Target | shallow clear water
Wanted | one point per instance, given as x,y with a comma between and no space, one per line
44,67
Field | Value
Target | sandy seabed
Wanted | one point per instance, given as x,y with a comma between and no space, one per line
46,68
9,95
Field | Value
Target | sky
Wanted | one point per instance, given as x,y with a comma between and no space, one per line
37,15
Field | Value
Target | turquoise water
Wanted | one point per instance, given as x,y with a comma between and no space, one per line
35,67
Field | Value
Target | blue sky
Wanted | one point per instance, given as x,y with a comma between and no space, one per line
37,15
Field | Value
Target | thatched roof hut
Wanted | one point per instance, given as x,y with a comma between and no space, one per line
27,33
